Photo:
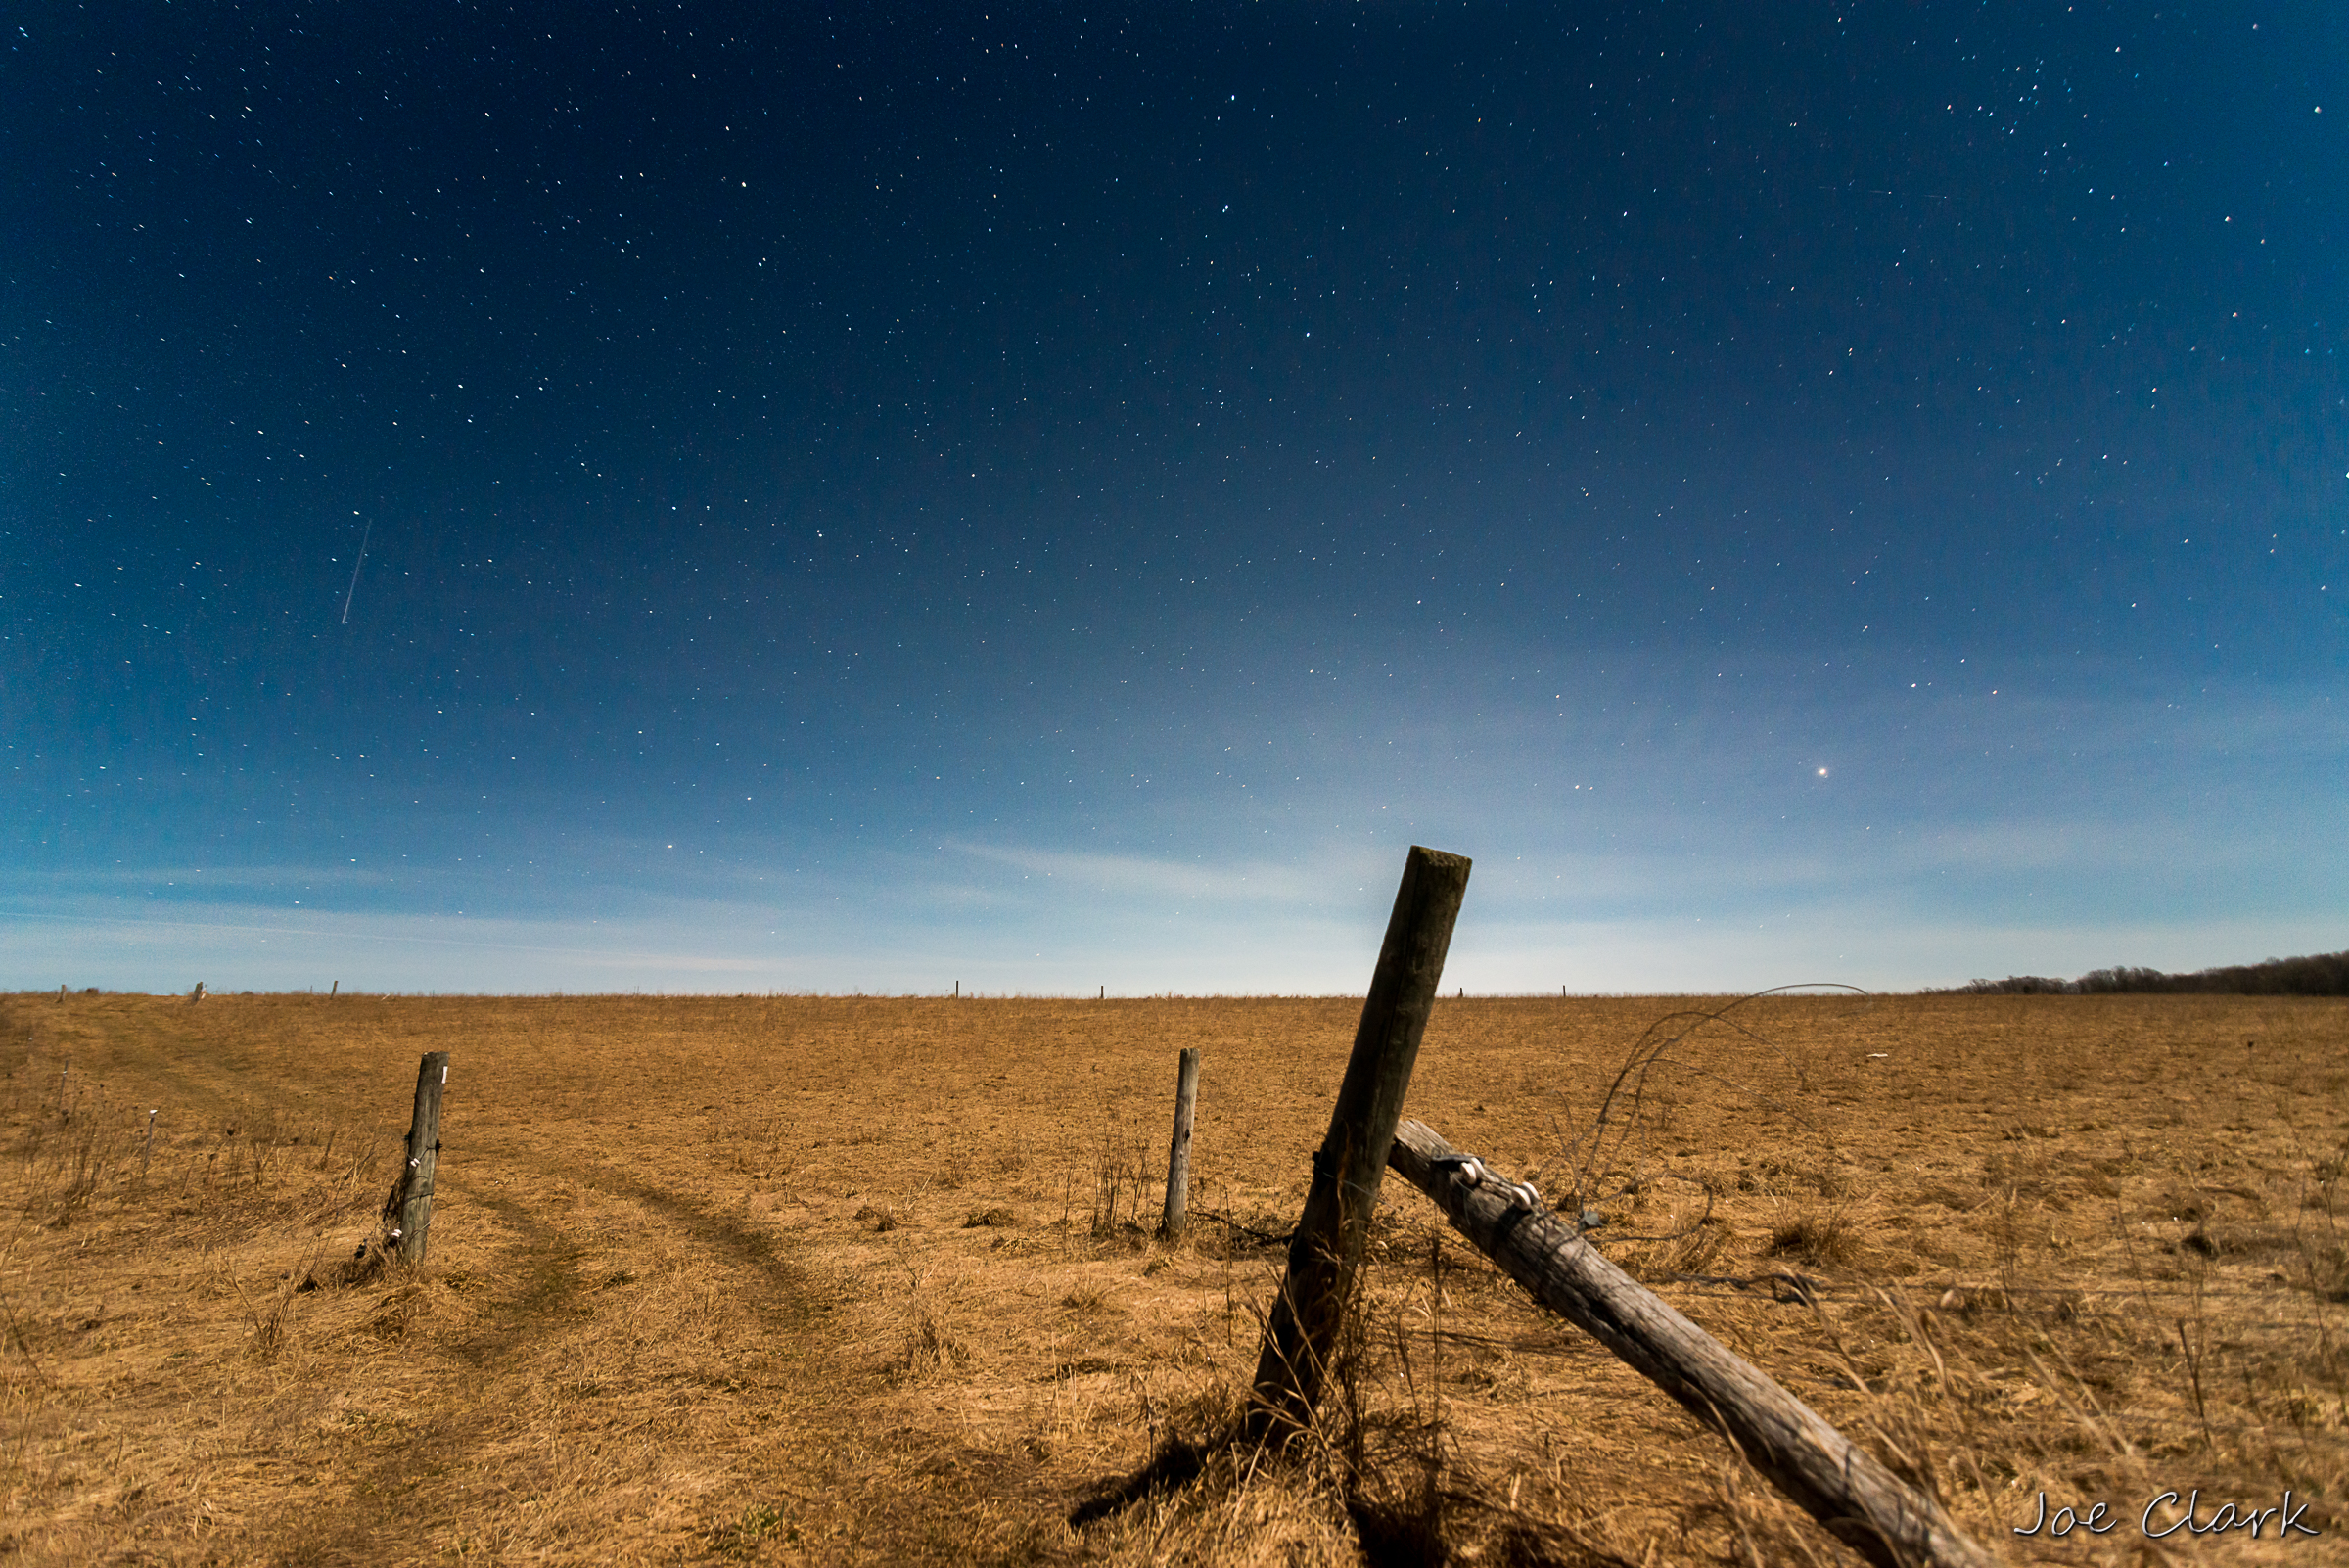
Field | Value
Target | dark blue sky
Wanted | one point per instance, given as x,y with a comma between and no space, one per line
1058,498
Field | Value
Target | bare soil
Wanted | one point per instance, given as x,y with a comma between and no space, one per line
849,1281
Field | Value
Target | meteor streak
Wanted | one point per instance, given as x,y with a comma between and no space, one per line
364,534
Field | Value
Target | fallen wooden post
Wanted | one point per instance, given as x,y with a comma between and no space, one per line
1327,1248
1842,1486
1178,1153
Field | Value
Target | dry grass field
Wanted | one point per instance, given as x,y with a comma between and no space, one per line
841,1281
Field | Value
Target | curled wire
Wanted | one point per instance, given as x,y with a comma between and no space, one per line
1594,1155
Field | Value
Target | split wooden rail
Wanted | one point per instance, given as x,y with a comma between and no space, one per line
1836,1482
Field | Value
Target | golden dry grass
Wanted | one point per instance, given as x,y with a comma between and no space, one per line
870,1280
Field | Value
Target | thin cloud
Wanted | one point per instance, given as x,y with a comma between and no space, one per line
1250,882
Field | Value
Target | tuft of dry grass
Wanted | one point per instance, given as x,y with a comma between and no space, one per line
1816,1238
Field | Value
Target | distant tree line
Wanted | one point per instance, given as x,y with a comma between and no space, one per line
2325,974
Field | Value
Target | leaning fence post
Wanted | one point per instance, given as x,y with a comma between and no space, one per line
1178,1154
1327,1247
414,1222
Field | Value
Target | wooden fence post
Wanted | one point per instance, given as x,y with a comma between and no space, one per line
1178,1154
1327,1248
412,1221
1842,1486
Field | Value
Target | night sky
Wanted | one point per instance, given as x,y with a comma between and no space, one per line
1061,499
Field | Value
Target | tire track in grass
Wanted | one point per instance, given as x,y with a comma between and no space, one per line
550,1284
415,1455
393,1500
790,1305
452,1467
909,1499
451,1477
848,1493
801,1461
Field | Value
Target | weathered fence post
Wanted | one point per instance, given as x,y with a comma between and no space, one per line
1178,1154
197,995
334,990
412,1217
1841,1485
1327,1249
